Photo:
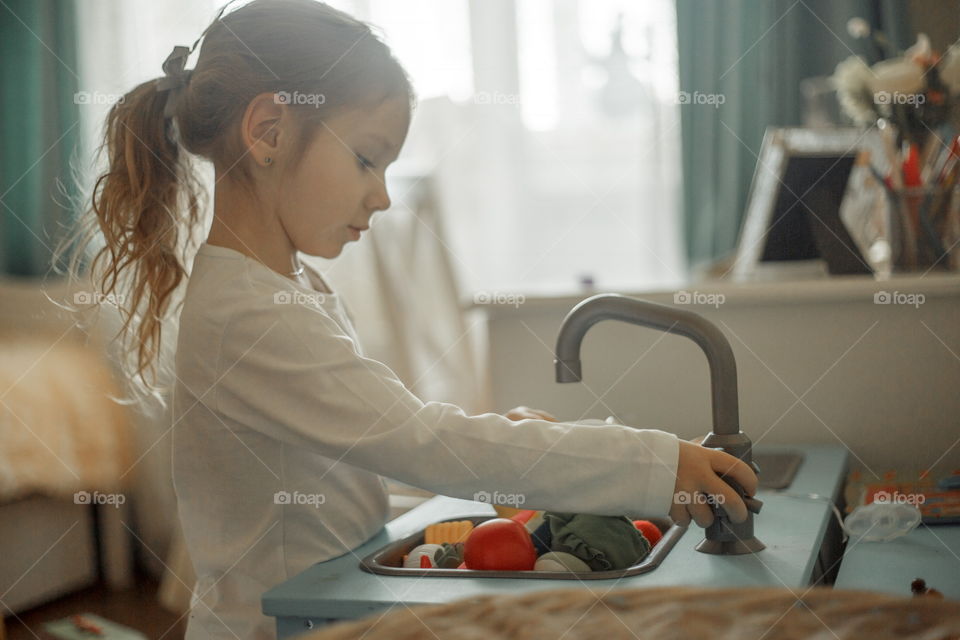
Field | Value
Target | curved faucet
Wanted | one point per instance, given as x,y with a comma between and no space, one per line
723,536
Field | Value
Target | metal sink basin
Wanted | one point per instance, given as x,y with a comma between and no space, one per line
777,468
388,560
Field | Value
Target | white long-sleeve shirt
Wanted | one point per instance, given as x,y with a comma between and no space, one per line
284,431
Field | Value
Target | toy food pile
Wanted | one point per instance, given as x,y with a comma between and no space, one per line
536,541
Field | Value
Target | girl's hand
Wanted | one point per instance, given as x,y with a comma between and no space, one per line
526,413
698,481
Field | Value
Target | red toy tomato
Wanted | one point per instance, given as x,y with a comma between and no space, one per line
649,531
499,544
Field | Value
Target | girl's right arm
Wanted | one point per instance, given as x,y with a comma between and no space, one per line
299,378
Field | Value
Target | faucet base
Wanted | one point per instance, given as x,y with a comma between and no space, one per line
730,547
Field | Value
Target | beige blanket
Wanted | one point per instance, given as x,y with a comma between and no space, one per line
59,430
664,613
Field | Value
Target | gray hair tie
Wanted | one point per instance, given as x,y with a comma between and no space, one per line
175,77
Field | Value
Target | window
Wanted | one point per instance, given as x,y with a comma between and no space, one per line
556,159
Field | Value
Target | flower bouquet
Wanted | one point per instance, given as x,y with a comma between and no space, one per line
913,99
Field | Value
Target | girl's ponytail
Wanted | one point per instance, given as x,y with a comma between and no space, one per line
143,203
144,208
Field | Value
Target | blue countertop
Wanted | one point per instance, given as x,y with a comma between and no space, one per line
792,527
931,553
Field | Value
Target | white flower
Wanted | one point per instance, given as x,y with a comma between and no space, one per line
950,68
921,52
858,28
897,75
853,81
853,74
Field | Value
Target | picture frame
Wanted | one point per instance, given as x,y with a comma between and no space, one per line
793,209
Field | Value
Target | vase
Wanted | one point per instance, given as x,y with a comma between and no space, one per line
923,228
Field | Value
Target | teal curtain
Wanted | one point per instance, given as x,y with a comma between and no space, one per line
753,53
39,130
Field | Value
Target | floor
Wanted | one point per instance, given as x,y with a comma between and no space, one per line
136,608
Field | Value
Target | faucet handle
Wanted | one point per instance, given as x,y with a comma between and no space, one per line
753,505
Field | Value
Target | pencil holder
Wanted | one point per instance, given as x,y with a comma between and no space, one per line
923,228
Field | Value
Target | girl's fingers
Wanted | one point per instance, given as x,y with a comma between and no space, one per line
518,413
701,513
536,414
728,465
526,413
679,514
727,498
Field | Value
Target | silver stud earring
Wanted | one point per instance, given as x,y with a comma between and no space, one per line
267,160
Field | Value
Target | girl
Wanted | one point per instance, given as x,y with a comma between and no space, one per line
283,430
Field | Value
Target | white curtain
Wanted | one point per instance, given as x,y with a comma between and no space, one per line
555,159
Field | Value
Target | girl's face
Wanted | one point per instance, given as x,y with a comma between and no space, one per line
339,184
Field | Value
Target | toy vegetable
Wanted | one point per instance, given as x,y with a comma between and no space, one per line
649,530
500,545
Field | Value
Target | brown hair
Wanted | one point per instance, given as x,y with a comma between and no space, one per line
148,203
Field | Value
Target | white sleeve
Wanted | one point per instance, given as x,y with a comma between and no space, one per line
295,375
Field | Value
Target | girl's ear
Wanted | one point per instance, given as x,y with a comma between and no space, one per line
262,127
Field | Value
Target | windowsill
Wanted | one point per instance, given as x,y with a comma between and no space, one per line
759,293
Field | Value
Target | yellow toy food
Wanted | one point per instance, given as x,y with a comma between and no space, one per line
451,532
